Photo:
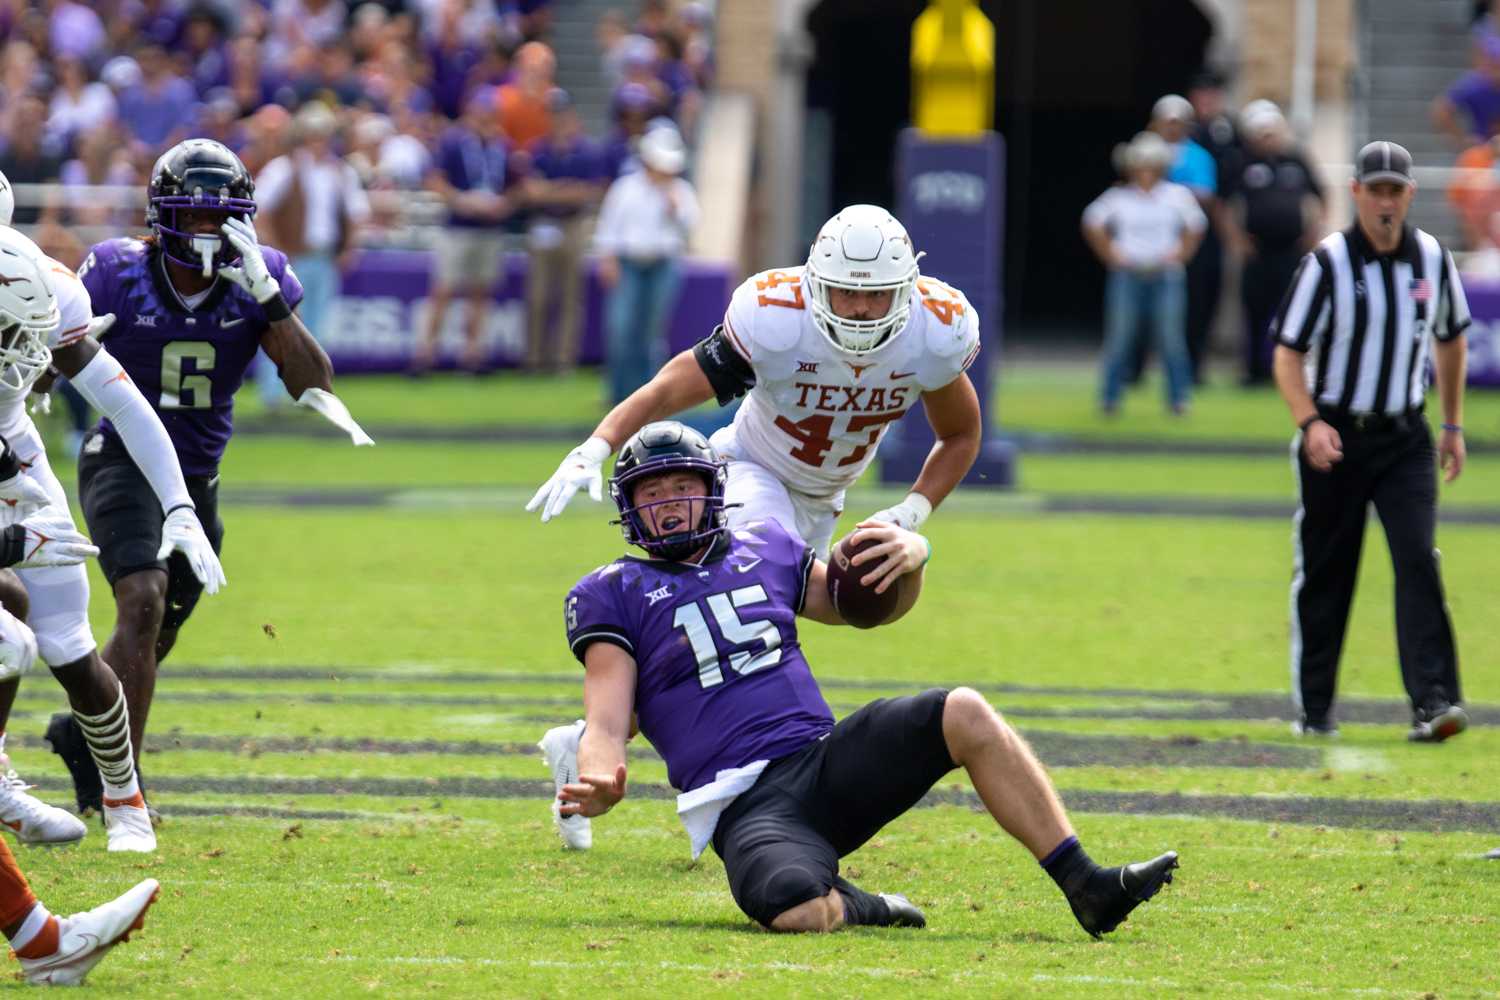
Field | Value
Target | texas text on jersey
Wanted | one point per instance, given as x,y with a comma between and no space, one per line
813,414
187,358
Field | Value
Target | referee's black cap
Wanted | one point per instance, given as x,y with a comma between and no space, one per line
1384,161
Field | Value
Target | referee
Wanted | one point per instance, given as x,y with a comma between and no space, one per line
1351,361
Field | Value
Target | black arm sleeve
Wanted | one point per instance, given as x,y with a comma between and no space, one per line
726,368
12,545
10,465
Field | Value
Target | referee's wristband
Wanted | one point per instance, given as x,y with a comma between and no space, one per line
1455,428
1309,422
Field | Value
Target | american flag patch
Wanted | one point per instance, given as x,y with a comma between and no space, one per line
1421,290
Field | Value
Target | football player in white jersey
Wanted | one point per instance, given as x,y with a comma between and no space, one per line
827,355
46,320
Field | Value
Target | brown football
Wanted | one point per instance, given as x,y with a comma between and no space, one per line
859,605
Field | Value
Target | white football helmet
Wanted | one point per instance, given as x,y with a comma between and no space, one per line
28,315
7,200
862,247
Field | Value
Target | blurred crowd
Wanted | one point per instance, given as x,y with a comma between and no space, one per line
337,108
1207,199
1468,113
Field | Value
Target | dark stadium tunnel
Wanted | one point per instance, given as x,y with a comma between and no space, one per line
1072,79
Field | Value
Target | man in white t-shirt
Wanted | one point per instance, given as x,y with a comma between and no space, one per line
1144,231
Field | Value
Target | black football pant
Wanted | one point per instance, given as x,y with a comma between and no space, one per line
1392,464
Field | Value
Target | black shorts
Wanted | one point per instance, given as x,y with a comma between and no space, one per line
781,841
124,518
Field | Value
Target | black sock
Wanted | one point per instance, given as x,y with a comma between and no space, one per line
1070,866
861,907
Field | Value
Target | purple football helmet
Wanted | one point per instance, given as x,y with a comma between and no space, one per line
666,446
197,175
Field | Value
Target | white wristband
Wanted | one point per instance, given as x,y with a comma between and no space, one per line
595,449
920,504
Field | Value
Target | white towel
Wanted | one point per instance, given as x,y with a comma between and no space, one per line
699,809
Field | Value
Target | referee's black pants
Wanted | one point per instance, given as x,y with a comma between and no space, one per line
1392,464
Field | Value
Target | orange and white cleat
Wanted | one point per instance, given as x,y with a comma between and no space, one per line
85,938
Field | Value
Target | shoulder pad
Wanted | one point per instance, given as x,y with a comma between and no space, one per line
767,311
950,322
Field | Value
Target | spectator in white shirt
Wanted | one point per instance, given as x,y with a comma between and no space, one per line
1143,232
78,104
642,231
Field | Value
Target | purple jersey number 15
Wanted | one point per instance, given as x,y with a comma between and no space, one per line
736,632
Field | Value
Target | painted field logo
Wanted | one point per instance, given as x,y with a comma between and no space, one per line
949,190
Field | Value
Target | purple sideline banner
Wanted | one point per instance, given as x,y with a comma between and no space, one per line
951,199
383,305
1484,335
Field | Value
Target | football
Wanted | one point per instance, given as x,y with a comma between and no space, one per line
859,605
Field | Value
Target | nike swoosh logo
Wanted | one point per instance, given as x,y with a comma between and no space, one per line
86,943
14,824
747,567
227,323
896,375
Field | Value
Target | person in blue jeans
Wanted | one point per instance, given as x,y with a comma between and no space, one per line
1144,231
643,229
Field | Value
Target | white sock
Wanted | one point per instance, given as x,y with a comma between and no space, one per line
30,927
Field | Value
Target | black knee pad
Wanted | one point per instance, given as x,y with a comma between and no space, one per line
785,886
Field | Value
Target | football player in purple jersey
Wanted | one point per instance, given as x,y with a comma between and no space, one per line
698,642
193,302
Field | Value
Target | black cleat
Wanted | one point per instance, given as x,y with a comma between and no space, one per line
1437,722
1112,893
904,912
65,739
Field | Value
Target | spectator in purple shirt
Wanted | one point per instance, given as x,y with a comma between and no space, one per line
471,174
203,49
75,31
634,108
1470,111
159,110
451,57
565,182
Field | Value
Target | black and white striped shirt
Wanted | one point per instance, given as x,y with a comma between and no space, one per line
1362,319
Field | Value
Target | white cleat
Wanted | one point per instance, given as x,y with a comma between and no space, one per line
85,938
129,824
560,750
32,820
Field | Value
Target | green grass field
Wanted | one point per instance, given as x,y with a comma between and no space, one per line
342,742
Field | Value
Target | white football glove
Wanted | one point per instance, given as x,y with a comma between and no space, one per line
51,540
583,467
252,275
908,514
17,646
21,496
335,412
182,532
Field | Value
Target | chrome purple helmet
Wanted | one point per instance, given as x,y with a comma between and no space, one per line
197,175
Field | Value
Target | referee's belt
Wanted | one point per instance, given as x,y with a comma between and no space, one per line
1371,423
